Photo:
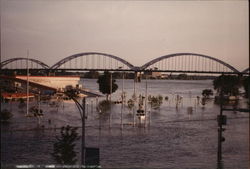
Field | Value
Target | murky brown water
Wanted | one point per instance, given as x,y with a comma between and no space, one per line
174,138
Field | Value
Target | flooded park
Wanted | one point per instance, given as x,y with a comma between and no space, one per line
178,132
124,84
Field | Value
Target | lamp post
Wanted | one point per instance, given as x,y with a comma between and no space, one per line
81,108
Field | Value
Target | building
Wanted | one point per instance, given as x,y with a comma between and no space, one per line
15,87
58,82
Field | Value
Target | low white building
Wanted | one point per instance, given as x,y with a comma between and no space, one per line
58,82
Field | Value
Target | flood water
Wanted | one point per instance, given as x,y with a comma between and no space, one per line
172,137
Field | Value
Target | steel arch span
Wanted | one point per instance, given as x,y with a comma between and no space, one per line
246,70
92,60
6,62
193,59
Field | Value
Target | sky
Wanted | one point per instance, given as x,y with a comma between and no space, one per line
137,31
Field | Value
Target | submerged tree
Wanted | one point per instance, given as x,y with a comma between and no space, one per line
155,101
206,93
36,111
64,147
131,104
227,84
103,106
104,82
5,115
21,103
246,85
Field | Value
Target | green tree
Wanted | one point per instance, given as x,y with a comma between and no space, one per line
64,147
104,82
227,84
246,85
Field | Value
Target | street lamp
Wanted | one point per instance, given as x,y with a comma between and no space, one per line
81,108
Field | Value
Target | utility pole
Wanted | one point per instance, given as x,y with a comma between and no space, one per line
110,115
27,91
146,102
134,99
83,131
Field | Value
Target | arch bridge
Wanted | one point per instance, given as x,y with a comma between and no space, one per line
95,61
21,63
189,63
246,70
92,61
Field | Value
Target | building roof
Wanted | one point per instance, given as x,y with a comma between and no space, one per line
32,84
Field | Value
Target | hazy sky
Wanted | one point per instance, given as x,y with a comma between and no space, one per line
137,31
